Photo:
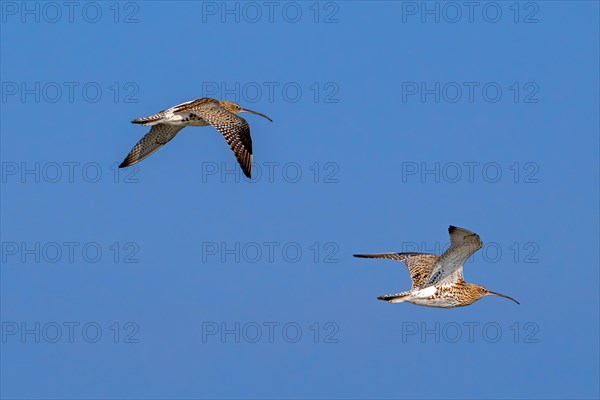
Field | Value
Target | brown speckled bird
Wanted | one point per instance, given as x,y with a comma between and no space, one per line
437,281
200,112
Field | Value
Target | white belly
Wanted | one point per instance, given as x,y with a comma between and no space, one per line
443,302
185,119
426,297
424,293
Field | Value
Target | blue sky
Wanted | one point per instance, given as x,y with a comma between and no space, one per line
179,278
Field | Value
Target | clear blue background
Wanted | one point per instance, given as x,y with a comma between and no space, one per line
168,54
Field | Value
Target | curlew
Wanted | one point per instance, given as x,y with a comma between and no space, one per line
221,114
437,281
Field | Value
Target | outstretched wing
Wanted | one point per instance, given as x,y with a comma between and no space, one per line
463,243
234,129
419,265
158,136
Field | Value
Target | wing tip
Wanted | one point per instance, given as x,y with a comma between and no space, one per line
128,162
382,255
246,167
246,164
369,255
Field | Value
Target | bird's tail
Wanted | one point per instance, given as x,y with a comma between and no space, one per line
394,298
151,120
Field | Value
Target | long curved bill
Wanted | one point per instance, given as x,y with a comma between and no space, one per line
501,295
257,113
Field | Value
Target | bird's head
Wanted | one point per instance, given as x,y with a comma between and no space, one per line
236,109
479,292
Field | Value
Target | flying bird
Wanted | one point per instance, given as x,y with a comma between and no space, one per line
437,281
221,114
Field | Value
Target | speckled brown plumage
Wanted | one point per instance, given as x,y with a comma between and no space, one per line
419,264
438,280
201,112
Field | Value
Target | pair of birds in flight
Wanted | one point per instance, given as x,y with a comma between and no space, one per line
437,281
